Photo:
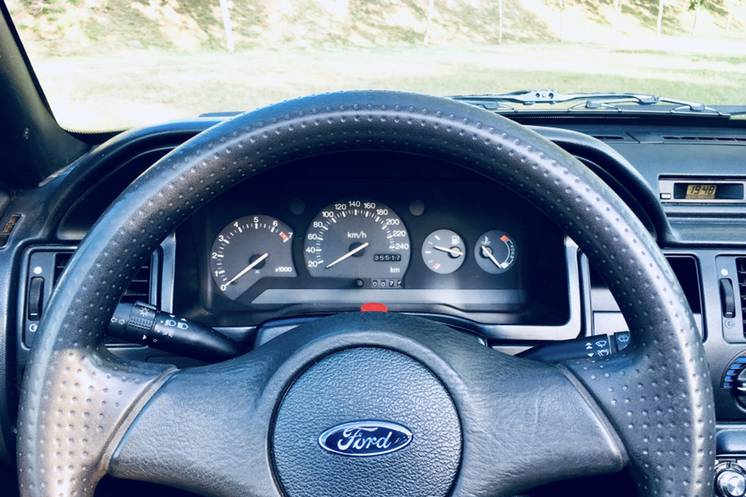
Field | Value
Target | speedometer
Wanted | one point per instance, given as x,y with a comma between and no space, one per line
363,241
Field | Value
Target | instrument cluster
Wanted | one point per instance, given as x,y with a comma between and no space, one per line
416,236
360,242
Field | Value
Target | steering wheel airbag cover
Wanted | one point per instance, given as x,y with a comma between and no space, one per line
657,395
367,384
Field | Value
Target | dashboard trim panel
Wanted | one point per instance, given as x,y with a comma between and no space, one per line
278,296
570,329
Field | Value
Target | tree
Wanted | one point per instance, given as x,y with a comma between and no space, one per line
696,5
661,5
227,25
499,22
430,14
617,12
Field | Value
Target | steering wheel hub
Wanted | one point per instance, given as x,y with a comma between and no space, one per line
367,421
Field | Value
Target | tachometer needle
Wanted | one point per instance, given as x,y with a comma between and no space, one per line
348,254
454,251
487,252
248,268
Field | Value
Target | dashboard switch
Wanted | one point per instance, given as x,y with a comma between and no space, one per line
598,346
35,300
731,374
727,298
730,480
144,324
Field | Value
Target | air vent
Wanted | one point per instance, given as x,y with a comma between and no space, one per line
687,272
705,138
139,288
741,269
610,138
60,262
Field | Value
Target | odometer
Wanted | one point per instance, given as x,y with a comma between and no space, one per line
363,241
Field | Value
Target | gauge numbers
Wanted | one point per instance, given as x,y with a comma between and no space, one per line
363,241
249,249
443,251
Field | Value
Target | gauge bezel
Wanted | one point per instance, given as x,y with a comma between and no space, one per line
272,253
375,254
440,262
295,194
502,240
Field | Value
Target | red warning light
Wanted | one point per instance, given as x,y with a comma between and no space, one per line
374,307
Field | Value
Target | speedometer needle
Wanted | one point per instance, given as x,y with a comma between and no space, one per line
487,252
248,268
348,254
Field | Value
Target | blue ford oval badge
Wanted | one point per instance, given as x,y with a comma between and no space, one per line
365,438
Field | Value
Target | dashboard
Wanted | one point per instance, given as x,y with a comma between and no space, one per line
337,232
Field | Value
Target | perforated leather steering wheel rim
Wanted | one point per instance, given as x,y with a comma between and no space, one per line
78,400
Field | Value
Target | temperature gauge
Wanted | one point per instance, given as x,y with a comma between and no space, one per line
443,251
495,251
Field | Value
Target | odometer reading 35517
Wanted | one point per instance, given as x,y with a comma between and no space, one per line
361,240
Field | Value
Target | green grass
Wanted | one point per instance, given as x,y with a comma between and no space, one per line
117,63
116,90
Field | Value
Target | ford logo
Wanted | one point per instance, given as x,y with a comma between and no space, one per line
365,438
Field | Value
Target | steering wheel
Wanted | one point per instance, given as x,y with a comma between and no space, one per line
367,404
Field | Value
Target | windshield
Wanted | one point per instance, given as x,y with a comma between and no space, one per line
113,64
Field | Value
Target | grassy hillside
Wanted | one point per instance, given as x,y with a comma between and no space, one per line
197,24
117,63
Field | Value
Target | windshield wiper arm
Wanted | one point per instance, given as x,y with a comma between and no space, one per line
590,101
548,96
676,105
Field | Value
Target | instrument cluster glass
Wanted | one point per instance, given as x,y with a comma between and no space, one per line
249,249
360,240
330,234
363,244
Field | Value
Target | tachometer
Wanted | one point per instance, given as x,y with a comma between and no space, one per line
249,249
361,240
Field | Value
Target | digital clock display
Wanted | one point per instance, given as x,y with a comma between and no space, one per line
701,191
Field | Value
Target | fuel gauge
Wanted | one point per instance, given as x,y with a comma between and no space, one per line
443,251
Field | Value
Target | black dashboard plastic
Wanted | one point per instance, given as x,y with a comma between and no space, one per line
108,168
